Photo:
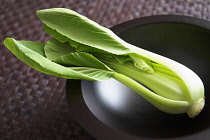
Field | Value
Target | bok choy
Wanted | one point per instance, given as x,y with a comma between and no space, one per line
82,49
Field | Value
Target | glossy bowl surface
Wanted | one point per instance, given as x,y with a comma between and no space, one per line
109,110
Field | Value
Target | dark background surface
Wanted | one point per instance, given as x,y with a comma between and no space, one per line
33,105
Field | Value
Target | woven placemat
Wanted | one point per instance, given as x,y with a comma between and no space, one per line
33,105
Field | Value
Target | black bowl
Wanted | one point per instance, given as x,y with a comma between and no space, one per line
109,110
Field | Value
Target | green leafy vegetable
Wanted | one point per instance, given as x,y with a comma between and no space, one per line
82,49
63,53
36,59
55,49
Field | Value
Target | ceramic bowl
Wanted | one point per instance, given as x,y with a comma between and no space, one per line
109,110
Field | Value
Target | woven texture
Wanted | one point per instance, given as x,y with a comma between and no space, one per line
33,105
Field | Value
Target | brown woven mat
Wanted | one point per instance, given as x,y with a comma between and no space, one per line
33,105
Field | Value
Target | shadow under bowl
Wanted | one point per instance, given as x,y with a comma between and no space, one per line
109,110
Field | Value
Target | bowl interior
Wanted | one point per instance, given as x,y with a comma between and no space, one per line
121,109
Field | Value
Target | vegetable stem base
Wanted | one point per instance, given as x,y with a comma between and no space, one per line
196,108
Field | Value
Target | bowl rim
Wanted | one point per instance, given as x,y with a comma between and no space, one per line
161,19
87,120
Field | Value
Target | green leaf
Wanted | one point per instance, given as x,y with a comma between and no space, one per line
86,35
142,63
122,58
35,46
82,30
56,35
64,54
81,59
94,73
78,46
32,54
54,49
